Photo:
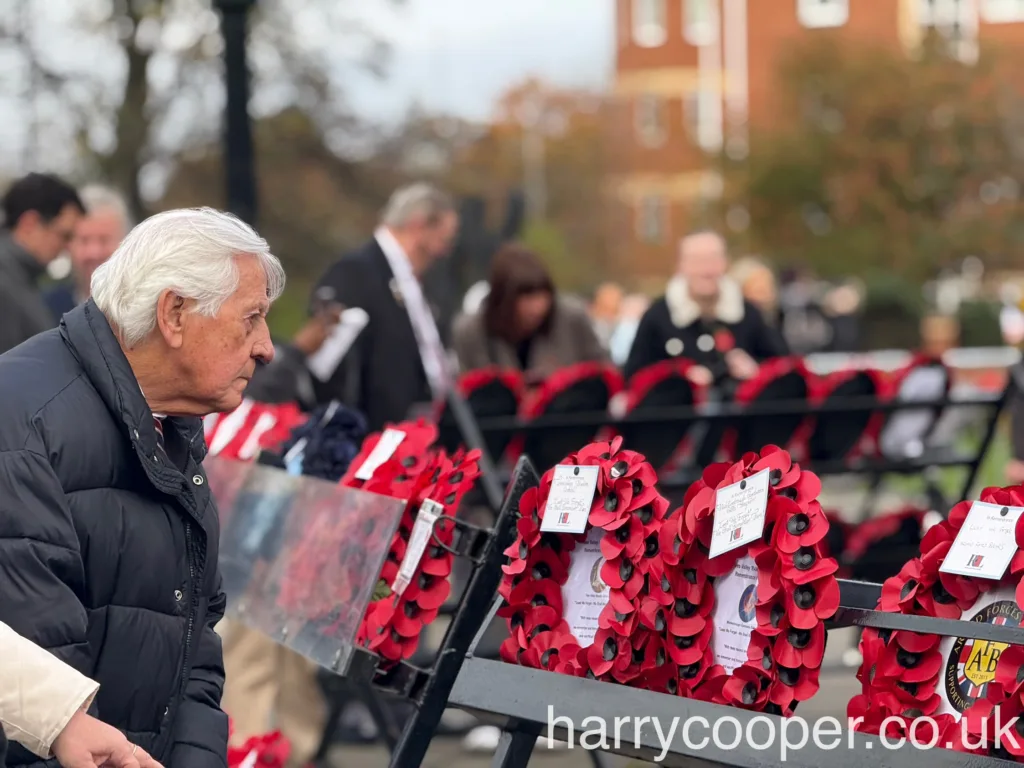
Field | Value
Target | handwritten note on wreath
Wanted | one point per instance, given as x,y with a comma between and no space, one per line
986,543
570,498
739,513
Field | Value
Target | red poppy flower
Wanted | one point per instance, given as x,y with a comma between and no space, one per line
800,647
627,539
724,341
1010,671
688,617
813,602
806,565
794,684
797,526
897,663
623,623
546,649
685,650
620,573
605,650
659,584
429,592
538,593
746,688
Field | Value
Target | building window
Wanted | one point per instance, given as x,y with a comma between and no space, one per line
957,21
650,121
823,13
651,219
699,22
1002,11
649,23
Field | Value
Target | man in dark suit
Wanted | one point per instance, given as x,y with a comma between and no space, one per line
398,361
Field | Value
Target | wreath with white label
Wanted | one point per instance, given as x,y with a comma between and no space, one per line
589,604
906,676
747,628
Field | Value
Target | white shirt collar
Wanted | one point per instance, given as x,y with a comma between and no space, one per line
397,258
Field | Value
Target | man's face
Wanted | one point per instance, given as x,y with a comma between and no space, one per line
46,240
96,237
219,354
436,240
702,263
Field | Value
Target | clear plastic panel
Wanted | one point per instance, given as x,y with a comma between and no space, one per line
299,556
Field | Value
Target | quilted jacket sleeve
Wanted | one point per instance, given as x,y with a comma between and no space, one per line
201,727
40,562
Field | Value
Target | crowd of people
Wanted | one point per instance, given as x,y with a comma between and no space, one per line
113,645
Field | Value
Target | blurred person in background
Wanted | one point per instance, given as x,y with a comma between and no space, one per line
757,281
44,707
703,317
40,214
96,236
524,323
633,308
804,325
841,306
398,361
605,310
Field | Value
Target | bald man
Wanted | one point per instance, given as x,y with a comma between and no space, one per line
703,317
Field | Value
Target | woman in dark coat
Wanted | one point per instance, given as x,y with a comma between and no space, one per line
524,323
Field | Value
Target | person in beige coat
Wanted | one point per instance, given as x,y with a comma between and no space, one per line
43,707
524,323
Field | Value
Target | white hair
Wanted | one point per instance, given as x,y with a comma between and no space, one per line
189,251
96,197
420,200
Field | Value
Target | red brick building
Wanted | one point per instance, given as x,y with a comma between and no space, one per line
692,75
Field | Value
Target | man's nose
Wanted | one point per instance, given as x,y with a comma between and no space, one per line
263,350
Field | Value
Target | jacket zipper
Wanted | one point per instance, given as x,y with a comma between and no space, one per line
192,604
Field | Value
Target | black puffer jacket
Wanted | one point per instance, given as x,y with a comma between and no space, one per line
108,553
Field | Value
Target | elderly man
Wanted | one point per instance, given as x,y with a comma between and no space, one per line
703,317
96,235
108,533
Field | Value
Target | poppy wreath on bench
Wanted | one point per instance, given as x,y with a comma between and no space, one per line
841,435
796,588
251,427
629,645
393,623
901,671
786,375
272,750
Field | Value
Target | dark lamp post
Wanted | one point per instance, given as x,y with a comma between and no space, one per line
239,170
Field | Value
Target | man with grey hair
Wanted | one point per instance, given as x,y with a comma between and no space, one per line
96,235
108,532
399,360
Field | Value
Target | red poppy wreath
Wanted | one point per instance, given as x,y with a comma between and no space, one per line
747,626
394,621
958,684
592,604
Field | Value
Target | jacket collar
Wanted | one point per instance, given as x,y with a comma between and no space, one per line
684,311
90,338
13,256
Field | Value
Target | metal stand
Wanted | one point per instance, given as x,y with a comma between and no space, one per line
428,689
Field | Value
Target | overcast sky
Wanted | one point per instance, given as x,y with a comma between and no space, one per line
459,55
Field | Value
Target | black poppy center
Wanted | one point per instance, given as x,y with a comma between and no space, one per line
619,469
538,600
541,571
789,676
682,643
611,502
907,659
409,462
908,588
545,657
622,535
659,620
799,638
798,524
775,476
940,595
411,610
689,671
610,649
637,486
625,570
691,575
766,660
684,608
777,614
652,546
645,514
788,493
804,596
749,694
803,559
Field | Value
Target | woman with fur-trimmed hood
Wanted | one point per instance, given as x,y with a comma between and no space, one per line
703,317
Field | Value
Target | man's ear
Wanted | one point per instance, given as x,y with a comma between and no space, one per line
170,318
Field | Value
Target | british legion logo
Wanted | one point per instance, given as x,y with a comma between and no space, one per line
971,664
